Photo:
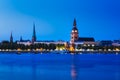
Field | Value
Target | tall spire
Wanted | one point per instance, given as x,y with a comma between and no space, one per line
74,23
21,38
11,38
34,33
74,33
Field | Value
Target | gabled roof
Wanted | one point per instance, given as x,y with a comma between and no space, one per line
85,39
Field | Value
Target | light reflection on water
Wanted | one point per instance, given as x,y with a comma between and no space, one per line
59,67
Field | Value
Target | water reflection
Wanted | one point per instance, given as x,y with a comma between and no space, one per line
11,71
60,67
34,67
74,73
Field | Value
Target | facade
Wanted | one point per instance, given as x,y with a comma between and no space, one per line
116,43
24,42
50,42
105,43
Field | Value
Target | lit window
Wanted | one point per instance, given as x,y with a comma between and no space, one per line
75,30
88,44
93,45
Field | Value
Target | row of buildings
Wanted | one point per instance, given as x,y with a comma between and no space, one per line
74,41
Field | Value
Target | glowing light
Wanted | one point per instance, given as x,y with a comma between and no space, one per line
41,49
88,44
18,49
28,49
109,49
75,30
72,48
84,45
93,45
117,49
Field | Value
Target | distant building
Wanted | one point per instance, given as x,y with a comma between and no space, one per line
11,38
35,41
50,42
116,43
24,42
105,43
34,34
75,39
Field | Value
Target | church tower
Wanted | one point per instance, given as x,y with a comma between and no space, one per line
11,38
21,38
74,33
34,34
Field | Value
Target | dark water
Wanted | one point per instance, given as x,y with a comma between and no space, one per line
59,67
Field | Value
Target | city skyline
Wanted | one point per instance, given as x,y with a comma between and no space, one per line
54,21
34,37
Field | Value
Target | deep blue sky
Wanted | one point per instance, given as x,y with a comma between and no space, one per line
54,18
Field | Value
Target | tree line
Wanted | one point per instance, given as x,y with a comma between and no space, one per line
14,46
7,45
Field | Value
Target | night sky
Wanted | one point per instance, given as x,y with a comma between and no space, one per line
54,19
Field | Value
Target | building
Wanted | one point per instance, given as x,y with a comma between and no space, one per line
105,43
35,41
34,34
11,38
24,42
76,39
116,43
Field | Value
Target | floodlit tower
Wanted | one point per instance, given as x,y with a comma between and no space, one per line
74,33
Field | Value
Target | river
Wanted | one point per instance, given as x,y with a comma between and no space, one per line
29,66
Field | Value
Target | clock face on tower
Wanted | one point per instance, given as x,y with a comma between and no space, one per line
74,34
75,30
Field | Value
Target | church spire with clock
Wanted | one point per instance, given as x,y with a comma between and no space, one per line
74,33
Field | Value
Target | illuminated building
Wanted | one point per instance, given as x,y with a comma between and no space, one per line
75,39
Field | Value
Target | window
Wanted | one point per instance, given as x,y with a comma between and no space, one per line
72,30
75,30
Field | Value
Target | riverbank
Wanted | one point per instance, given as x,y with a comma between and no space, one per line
60,52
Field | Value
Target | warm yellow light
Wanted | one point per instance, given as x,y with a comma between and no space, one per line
72,48
37,49
18,49
117,49
41,49
28,49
